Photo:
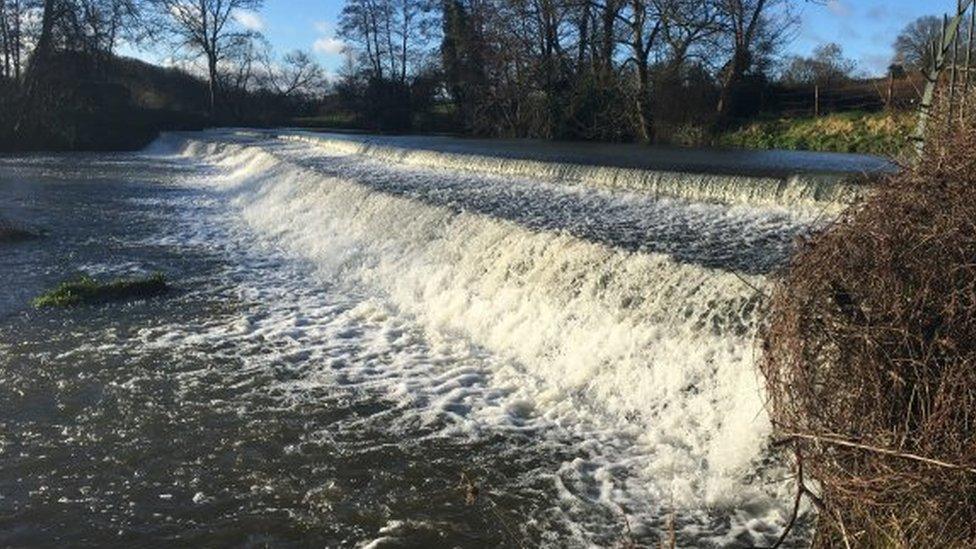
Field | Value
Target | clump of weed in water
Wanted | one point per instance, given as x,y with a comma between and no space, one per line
87,290
10,233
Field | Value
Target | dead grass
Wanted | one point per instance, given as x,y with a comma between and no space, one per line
870,358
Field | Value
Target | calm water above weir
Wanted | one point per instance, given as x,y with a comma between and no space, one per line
350,335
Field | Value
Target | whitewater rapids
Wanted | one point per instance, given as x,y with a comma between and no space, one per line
622,316
362,329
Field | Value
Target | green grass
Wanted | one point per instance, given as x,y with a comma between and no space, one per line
853,132
338,120
87,290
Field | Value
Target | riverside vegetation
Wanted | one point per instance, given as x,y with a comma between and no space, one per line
869,357
884,133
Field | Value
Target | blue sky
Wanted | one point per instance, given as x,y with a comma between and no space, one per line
865,28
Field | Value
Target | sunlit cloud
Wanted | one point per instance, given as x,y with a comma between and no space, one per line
249,20
327,44
322,27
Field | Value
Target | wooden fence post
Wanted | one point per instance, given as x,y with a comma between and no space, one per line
940,52
969,61
889,95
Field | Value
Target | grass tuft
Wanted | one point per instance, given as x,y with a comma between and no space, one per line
87,291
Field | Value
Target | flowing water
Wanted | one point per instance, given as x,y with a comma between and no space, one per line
355,329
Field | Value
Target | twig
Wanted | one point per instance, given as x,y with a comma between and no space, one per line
843,530
749,284
904,455
800,490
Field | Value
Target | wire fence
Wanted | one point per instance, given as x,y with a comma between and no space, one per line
891,93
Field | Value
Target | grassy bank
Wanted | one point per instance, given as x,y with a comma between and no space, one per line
852,132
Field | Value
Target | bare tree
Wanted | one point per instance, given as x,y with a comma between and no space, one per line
748,25
645,22
12,13
205,28
827,66
105,22
240,69
913,47
297,75
387,34
359,25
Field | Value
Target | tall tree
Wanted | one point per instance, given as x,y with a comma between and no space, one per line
12,14
205,27
827,66
296,75
101,24
748,25
387,34
463,60
913,46
645,24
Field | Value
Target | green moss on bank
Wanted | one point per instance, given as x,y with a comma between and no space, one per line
87,290
853,132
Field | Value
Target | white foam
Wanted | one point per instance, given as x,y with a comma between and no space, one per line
816,190
633,332
647,359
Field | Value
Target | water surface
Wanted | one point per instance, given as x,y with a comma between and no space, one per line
349,338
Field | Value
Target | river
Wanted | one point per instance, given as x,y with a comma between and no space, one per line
395,343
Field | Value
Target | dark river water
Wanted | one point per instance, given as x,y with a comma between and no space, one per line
348,369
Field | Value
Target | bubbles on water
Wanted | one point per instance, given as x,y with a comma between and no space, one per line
647,358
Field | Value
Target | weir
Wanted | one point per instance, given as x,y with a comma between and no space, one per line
723,175
641,327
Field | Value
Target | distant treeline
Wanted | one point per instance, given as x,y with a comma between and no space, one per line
63,86
609,70
676,71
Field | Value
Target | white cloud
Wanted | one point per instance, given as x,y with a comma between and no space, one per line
839,8
249,20
329,45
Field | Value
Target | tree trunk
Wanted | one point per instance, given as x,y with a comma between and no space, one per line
16,39
644,116
39,60
5,37
43,49
731,81
212,68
